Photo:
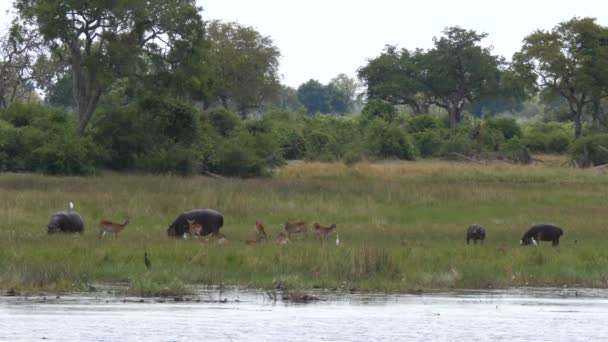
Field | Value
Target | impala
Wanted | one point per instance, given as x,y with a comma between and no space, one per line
111,227
321,232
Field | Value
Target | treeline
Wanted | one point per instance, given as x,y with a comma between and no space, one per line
161,135
146,85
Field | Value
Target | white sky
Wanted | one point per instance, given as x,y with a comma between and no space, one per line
322,38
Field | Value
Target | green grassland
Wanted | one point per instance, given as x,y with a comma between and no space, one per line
401,226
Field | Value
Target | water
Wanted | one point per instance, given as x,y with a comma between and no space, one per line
246,315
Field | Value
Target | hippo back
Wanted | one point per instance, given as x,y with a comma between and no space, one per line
65,221
210,219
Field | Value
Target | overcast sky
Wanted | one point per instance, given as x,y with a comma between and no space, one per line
320,39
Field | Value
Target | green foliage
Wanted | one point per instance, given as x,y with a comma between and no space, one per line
547,137
36,138
169,159
379,109
421,123
384,140
428,143
247,154
516,151
321,146
507,126
222,120
590,150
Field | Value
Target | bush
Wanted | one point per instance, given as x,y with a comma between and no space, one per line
460,143
384,140
547,137
247,155
379,109
516,151
40,139
428,143
507,126
222,120
172,159
591,150
422,123
321,146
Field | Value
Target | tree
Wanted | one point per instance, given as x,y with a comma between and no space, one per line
108,39
394,76
342,91
313,95
457,71
18,51
245,66
570,60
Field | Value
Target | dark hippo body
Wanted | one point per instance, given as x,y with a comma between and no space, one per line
65,221
476,232
542,232
210,219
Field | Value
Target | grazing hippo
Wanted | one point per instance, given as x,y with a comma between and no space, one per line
476,232
65,221
210,219
542,232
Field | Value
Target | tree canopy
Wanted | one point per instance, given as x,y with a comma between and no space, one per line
570,61
103,40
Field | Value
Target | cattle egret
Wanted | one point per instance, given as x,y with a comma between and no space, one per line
337,240
71,205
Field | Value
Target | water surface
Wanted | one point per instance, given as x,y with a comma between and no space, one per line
249,315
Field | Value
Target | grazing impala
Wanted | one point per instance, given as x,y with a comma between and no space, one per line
281,239
321,232
111,227
296,228
194,228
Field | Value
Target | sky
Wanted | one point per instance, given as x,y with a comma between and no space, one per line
320,39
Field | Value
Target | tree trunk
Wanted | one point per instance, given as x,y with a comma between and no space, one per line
577,124
86,91
454,115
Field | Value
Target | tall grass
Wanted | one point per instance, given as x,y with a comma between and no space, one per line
401,225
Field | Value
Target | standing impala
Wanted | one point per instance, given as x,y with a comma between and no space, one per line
321,232
111,227
295,228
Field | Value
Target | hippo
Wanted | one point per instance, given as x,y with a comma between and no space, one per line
542,232
65,221
210,219
476,232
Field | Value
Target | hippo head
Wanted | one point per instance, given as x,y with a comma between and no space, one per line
171,230
52,229
525,241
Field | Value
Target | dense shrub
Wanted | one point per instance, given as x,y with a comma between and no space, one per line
222,120
590,150
507,126
40,139
172,158
422,123
379,109
547,137
321,146
515,150
428,143
384,140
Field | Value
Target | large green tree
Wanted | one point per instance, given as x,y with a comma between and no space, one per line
458,71
313,95
105,39
245,66
394,76
571,61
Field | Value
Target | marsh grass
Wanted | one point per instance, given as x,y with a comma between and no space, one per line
401,225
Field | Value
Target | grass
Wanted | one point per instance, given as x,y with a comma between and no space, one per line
401,226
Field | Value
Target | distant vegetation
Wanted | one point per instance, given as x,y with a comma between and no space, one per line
150,86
